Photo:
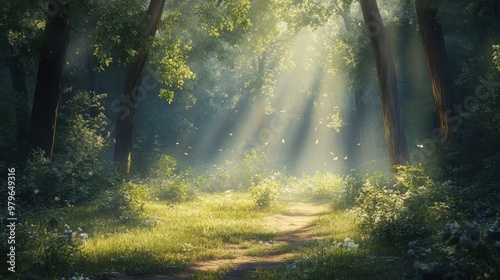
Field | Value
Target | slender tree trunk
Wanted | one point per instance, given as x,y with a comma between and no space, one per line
128,103
393,123
261,104
443,90
361,116
52,56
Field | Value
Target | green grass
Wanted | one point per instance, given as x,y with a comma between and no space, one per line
179,235
266,249
168,237
331,258
217,274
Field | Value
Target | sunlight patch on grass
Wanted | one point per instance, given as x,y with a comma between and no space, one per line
172,236
338,225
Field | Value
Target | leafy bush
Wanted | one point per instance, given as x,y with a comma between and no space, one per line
79,171
242,174
320,186
46,242
473,252
165,166
126,201
174,189
324,185
265,193
344,197
401,208
252,169
168,185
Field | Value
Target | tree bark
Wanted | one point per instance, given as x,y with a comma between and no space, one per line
128,103
21,103
484,39
393,123
361,120
359,126
22,107
443,90
52,56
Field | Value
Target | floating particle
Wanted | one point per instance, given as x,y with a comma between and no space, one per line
335,158
186,154
317,141
283,140
176,143
345,158
420,146
230,134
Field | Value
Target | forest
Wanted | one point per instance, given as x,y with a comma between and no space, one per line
250,139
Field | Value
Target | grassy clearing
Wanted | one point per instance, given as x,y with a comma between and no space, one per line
171,236
343,254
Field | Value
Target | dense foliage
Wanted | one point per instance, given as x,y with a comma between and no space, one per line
243,107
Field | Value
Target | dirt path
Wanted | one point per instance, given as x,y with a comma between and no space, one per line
292,230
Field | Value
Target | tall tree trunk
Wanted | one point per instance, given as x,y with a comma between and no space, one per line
128,103
359,126
443,90
22,107
361,120
21,98
484,39
393,123
261,104
52,56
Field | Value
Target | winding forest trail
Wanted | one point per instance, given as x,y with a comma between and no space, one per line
292,228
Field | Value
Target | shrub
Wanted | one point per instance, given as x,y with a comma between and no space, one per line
174,189
252,169
401,208
165,167
472,252
324,185
126,201
47,242
234,175
79,171
168,185
344,197
265,193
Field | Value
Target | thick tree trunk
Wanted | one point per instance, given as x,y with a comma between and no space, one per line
21,98
393,123
52,56
128,103
484,39
443,90
359,127
22,107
